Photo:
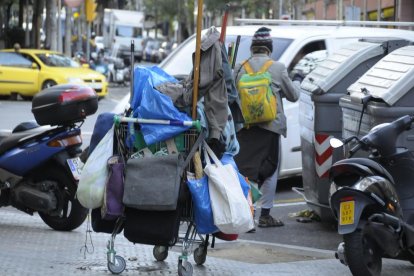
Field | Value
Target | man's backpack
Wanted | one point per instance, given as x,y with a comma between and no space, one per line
258,102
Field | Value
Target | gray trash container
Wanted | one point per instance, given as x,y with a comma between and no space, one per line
320,114
390,82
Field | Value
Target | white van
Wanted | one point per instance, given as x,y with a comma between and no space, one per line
290,44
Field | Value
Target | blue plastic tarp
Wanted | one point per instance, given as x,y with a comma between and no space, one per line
148,103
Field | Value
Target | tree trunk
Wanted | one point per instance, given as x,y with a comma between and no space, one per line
51,25
37,21
68,32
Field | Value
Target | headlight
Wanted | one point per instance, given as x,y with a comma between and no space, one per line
75,80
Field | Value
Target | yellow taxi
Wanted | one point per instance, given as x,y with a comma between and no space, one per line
28,71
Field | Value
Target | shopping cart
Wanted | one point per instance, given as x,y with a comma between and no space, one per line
186,143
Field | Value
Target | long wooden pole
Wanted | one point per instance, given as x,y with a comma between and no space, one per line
197,58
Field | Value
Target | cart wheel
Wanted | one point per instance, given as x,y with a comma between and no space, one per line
118,266
160,252
184,270
200,255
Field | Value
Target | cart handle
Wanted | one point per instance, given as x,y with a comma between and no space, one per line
122,119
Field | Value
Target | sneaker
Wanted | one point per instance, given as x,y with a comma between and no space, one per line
269,221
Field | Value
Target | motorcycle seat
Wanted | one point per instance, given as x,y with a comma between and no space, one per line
374,166
20,136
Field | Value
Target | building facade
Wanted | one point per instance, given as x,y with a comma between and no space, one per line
365,10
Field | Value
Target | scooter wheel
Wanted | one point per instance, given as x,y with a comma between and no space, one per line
363,254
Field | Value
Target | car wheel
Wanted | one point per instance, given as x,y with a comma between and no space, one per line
48,83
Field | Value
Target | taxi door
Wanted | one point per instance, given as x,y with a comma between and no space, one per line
18,75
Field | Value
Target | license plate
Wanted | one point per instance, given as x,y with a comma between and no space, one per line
346,212
75,165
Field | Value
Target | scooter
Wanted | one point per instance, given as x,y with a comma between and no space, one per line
373,199
40,165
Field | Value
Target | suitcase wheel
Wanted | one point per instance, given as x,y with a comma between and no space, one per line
160,252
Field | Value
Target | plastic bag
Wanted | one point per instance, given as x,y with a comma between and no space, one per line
203,214
92,181
231,211
148,103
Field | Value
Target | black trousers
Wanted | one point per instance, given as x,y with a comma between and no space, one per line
258,155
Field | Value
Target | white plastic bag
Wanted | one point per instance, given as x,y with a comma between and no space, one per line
231,210
91,185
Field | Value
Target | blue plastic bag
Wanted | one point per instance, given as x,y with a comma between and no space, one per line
148,103
203,214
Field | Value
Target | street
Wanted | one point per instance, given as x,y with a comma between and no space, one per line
29,247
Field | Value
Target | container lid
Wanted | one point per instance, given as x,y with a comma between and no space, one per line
339,64
389,79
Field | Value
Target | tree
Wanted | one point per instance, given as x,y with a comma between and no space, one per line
51,25
38,6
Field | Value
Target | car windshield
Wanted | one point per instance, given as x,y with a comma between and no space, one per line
128,31
180,61
13,59
57,60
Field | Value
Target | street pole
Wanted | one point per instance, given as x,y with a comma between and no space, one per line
280,8
27,32
88,38
378,10
365,11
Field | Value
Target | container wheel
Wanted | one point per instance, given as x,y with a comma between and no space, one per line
160,252
363,254
118,266
200,255
185,269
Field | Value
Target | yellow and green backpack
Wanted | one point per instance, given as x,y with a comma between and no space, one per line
258,102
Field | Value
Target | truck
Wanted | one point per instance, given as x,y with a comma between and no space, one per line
120,28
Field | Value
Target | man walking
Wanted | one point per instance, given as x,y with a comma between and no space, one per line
259,154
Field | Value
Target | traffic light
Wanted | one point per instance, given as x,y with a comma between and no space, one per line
90,10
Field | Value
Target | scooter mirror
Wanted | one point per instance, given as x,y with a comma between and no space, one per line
336,143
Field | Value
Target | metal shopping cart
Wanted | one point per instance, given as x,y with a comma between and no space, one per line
186,143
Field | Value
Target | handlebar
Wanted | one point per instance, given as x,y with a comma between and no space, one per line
355,148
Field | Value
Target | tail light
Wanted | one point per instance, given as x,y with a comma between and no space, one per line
76,93
347,198
66,142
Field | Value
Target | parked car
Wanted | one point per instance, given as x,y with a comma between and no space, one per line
290,44
309,62
30,70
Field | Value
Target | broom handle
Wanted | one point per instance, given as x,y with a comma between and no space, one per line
224,23
197,59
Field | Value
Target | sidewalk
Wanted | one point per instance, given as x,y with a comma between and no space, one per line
29,247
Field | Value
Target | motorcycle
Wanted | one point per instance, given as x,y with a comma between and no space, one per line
373,199
118,72
39,161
